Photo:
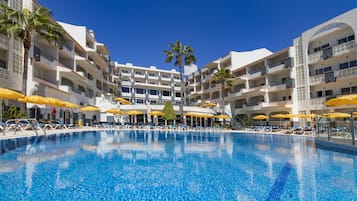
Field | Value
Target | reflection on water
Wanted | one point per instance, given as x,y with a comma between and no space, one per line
175,165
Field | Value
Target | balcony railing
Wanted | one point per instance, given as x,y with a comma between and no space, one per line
346,73
336,50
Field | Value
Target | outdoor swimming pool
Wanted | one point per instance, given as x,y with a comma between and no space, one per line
159,165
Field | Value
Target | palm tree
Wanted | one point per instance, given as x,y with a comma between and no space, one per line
224,77
22,24
184,55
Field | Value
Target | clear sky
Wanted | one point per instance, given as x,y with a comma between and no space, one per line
137,31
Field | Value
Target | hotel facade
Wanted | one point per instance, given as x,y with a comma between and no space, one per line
320,64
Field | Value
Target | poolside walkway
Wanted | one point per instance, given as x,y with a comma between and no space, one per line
10,134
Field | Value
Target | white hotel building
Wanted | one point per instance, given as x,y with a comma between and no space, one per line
320,65
148,85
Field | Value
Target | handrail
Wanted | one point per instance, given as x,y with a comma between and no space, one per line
20,123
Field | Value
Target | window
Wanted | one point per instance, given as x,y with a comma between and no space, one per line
354,89
351,37
329,93
140,91
125,89
327,69
344,65
353,63
345,91
178,94
125,71
153,92
139,101
138,73
152,74
166,93
319,94
138,81
343,40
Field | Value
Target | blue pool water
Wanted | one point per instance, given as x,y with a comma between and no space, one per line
153,165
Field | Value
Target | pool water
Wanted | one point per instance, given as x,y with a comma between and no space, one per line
159,165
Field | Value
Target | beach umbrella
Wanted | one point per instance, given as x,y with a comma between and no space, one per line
89,109
279,116
156,113
208,105
122,101
336,115
34,99
10,95
350,99
134,112
222,117
261,118
114,111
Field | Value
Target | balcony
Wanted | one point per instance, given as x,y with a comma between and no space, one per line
285,64
252,106
256,74
153,97
125,74
45,81
139,75
125,83
317,103
317,79
286,104
66,50
346,73
165,78
237,93
166,98
126,94
277,87
140,95
177,88
254,89
335,51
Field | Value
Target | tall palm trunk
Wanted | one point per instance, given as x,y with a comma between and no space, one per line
27,45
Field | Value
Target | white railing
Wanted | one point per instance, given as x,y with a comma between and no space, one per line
345,73
343,48
317,79
316,103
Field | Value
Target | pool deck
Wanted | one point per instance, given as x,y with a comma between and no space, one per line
10,134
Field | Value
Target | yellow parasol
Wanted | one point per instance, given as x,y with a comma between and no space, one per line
208,104
122,101
342,100
33,99
260,117
10,94
222,117
53,102
156,113
133,112
89,109
336,115
114,111
69,105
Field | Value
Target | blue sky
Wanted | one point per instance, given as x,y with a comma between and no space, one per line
137,31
